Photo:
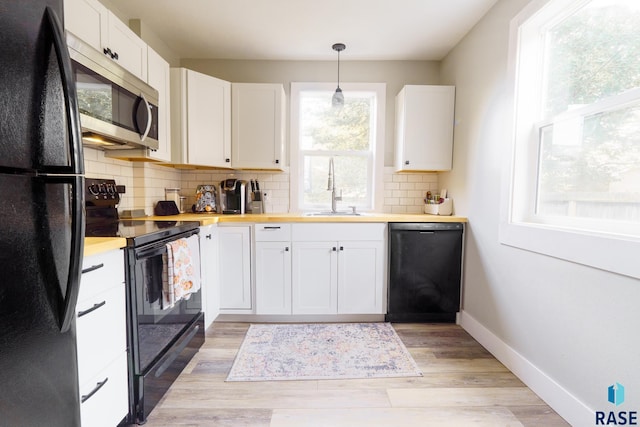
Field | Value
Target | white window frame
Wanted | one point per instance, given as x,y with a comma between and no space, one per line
296,170
611,250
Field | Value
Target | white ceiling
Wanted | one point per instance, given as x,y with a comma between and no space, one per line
306,29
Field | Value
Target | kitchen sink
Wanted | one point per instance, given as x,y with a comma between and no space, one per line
329,213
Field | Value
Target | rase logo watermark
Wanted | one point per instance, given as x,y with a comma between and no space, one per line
615,396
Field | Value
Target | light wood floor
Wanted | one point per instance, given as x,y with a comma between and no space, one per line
463,385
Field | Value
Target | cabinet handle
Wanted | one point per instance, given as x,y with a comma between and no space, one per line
334,249
89,310
208,236
92,268
115,56
406,162
227,160
98,386
106,51
342,248
271,227
286,249
277,161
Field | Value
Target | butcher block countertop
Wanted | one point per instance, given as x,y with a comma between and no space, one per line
96,245
207,219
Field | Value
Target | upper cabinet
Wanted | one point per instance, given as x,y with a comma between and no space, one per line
200,119
159,77
96,25
424,128
258,126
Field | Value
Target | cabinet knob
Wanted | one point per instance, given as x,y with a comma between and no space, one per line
334,249
106,51
208,236
277,161
227,160
286,249
115,56
342,248
406,162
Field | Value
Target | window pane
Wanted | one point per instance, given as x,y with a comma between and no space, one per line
592,54
325,128
350,177
591,168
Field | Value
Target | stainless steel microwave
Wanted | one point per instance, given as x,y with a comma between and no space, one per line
117,109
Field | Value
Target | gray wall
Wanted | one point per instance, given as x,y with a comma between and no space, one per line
577,327
394,73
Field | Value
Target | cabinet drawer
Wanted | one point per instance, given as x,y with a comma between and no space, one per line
108,404
101,331
273,232
101,272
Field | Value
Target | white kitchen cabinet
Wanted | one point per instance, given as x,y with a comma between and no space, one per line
209,273
315,279
273,268
96,25
360,277
258,126
338,268
424,128
234,259
101,340
200,119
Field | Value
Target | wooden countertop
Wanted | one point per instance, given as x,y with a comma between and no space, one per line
96,245
207,219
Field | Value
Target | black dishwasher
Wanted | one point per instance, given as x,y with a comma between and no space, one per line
425,265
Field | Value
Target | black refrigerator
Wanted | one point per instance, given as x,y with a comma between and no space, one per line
41,218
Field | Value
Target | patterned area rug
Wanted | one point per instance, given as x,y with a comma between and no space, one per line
322,351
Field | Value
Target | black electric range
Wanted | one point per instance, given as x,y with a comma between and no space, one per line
161,339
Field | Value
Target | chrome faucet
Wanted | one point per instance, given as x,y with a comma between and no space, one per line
331,186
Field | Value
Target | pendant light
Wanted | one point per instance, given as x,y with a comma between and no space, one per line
338,98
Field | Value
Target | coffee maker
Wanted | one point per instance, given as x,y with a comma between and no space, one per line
233,196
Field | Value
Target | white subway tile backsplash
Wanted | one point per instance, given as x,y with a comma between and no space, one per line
145,182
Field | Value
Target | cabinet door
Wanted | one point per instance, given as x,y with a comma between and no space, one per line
424,128
209,271
360,277
131,50
208,107
314,278
273,278
257,126
158,78
235,268
88,20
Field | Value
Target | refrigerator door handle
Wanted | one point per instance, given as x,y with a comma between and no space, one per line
77,249
76,167
76,158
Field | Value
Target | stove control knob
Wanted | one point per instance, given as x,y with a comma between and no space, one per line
94,189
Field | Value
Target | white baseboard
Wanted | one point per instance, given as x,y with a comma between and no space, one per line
564,403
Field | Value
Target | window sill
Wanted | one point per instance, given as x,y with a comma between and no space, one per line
616,254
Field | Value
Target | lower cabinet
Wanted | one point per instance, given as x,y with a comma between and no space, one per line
209,267
234,243
320,268
315,280
101,340
273,277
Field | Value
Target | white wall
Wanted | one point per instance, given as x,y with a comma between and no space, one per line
568,330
